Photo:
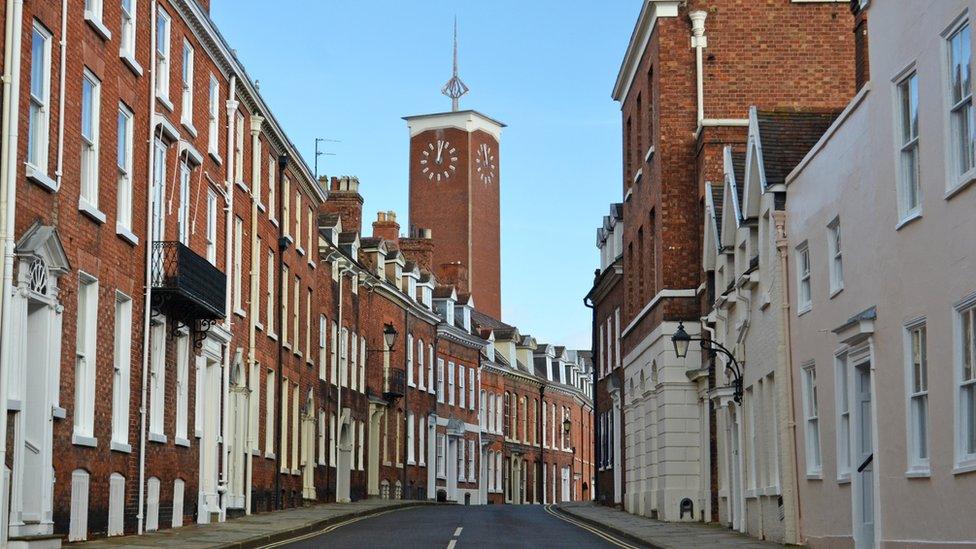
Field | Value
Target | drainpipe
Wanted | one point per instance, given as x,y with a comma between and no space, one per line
229,269
8,201
787,423
542,448
256,121
699,41
339,342
147,308
61,93
406,393
282,246
593,333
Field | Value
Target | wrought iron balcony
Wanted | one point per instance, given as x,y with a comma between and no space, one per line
185,285
396,384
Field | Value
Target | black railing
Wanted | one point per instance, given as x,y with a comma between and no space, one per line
397,384
186,284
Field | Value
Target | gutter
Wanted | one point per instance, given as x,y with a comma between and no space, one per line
8,200
229,270
147,307
282,246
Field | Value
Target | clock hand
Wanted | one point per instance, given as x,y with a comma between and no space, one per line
440,147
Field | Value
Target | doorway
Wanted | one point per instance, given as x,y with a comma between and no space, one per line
344,465
864,481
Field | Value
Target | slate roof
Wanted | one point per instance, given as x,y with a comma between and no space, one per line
443,291
718,196
487,321
787,136
739,171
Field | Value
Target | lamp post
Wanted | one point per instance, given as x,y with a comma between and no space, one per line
681,340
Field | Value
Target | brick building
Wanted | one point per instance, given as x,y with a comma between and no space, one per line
191,322
685,87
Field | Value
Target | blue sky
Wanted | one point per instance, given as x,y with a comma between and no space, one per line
349,70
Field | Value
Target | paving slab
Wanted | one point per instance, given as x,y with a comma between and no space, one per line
253,530
660,534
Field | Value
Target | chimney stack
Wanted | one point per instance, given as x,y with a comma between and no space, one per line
344,199
386,226
862,68
419,248
455,274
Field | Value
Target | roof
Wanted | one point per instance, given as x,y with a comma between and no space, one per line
787,136
487,321
718,196
739,170
444,291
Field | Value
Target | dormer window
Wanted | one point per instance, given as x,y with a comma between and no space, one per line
427,297
412,287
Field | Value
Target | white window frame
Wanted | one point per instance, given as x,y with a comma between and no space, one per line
803,280
835,254
460,386
163,45
959,113
269,408
270,295
123,215
811,422
842,401
90,144
183,209
127,35
86,343
410,439
39,111
907,138
410,375
183,357
157,381
471,389
93,16
211,235
122,372
450,384
186,83
213,117
238,260
916,398
440,380
323,357
965,393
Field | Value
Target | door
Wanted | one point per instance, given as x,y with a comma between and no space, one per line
158,190
452,471
565,494
344,466
864,452
209,499
735,470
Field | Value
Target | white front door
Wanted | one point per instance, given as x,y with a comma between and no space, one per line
864,457
209,501
344,465
735,466
565,494
452,471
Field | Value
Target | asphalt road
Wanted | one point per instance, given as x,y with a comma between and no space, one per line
456,526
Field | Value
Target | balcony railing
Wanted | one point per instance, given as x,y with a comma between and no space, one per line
186,285
396,384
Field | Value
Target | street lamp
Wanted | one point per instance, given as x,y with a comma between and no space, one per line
681,340
389,336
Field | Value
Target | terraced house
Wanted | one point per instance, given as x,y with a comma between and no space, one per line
193,326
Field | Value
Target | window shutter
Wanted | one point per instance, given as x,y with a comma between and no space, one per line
78,527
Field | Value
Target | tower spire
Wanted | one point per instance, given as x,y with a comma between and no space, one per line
455,88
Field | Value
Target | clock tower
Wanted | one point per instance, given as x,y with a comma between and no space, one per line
454,191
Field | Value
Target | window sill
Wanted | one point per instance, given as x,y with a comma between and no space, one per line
269,455
240,312
180,441
216,157
157,437
835,291
59,412
96,24
261,207
844,478
804,309
91,211
84,440
198,433
189,127
300,250
259,326
41,178
965,181
120,447
909,218
312,265
298,354
273,221
126,234
815,476
244,186
650,154
918,471
165,102
963,467
771,491
273,336
130,61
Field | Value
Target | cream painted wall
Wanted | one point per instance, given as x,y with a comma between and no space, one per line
921,269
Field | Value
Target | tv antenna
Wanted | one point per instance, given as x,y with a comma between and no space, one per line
319,153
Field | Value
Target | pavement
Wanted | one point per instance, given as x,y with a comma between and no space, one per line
658,534
255,530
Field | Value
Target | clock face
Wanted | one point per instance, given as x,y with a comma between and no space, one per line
485,162
438,160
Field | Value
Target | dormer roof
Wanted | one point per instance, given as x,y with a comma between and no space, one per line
445,291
